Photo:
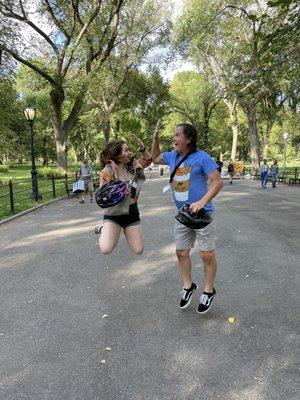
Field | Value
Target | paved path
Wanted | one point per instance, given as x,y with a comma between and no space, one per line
56,289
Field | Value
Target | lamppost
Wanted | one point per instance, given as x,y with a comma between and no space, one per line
29,113
285,138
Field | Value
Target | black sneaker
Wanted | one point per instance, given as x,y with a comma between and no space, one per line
186,296
205,301
98,229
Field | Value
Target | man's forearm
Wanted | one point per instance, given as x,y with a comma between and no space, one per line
213,190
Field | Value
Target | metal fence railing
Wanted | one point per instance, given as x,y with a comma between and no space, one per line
19,195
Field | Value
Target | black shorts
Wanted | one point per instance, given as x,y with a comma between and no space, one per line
133,218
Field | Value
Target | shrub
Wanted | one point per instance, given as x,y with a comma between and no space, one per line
4,168
48,172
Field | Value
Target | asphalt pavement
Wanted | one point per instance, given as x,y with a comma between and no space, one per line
78,325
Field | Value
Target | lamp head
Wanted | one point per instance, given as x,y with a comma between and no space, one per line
285,136
29,113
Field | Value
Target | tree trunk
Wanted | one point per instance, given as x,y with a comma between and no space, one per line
45,152
232,107
206,120
266,140
106,125
57,98
253,136
117,129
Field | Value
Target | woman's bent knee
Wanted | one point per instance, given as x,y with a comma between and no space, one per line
105,249
138,251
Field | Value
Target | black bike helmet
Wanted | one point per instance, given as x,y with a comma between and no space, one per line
112,193
197,220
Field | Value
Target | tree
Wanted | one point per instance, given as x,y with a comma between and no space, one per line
81,37
143,99
143,28
234,39
195,99
13,129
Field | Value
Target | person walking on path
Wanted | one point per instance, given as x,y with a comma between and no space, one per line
264,173
189,186
274,173
118,164
231,171
220,164
85,173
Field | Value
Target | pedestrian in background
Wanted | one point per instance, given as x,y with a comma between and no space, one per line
264,173
220,164
274,173
85,173
231,170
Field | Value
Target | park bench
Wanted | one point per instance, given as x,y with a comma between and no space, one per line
282,178
295,179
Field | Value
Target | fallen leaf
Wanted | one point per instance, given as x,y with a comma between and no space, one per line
104,315
103,361
231,320
108,348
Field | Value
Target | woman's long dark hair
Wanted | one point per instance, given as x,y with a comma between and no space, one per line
190,133
111,151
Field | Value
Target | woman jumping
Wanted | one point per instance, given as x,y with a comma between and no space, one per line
117,163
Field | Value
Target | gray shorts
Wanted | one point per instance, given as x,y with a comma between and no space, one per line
185,237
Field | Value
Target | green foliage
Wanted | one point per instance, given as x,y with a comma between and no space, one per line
48,172
13,129
4,168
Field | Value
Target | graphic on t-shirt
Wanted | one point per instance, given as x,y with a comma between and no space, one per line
181,182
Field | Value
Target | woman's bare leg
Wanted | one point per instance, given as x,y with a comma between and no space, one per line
110,234
134,237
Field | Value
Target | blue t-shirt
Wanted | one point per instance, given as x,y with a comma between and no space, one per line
190,180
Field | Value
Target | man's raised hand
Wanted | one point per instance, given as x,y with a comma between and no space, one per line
157,128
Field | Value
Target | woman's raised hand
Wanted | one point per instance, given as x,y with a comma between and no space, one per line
139,141
114,167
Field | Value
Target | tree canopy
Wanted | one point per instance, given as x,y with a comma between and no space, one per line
88,68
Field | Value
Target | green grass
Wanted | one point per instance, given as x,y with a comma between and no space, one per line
22,195
22,189
21,172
